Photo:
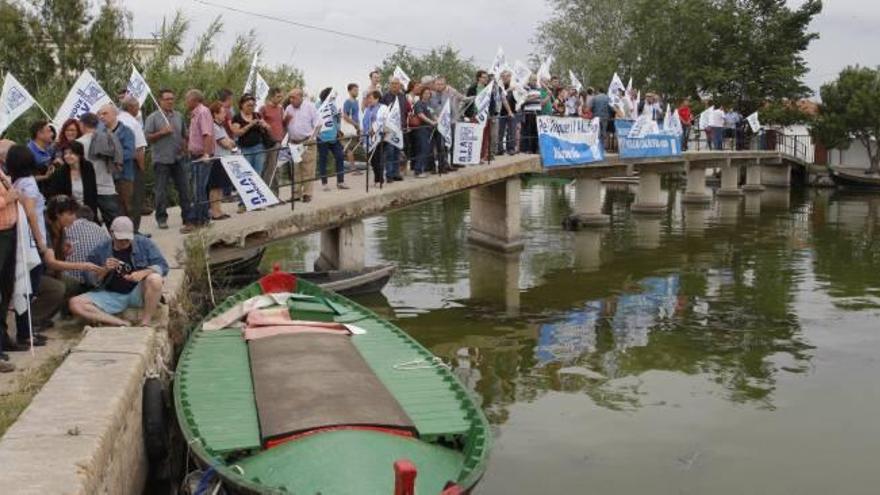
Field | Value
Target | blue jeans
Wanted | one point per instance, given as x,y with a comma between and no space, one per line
336,148
506,134
175,172
256,156
717,138
200,171
424,150
392,161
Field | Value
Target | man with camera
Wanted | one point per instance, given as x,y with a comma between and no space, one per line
131,276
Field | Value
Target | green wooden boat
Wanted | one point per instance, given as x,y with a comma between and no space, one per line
308,408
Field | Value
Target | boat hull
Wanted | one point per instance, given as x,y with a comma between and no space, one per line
853,180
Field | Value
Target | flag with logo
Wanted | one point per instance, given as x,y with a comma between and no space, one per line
754,123
137,86
401,76
575,82
328,111
14,101
27,257
498,63
261,90
544,70
393,132
521,73
249,84
615,86
85,96
672,122
481,103
444,123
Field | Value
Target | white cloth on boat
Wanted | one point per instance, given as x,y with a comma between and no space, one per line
231,318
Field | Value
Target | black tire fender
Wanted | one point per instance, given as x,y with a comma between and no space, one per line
155,420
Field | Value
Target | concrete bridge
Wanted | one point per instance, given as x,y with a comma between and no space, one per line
494,201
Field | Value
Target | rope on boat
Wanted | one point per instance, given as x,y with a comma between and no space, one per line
421,364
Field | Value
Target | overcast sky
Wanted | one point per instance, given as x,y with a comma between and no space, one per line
848,31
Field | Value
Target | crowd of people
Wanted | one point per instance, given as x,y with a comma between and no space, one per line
82,185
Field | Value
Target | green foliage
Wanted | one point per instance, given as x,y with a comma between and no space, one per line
850,110
742,51
445,61
80,35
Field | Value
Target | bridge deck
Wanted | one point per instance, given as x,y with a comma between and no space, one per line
335,207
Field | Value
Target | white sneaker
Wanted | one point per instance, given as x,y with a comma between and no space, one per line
326,188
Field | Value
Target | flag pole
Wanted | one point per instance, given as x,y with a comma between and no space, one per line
49,117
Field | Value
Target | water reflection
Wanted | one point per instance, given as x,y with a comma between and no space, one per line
720,308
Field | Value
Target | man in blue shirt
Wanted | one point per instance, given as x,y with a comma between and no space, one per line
132,271
123,177
351,114
42,147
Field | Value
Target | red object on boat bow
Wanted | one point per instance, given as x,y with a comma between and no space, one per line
278,281
404,477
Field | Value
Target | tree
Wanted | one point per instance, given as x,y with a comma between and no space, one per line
444,60
745,52
850,110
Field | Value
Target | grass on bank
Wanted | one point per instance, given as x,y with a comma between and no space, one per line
26,387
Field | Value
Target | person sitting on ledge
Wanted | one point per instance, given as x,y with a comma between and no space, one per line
131,276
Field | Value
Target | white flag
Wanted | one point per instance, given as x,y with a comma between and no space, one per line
498,63
249,84
137,86
85,96
254,193
328,111
575,82
14,101
544,70
481,103
754,123
401,76
26,258
629,86
261,90
444,123
672,122
378,127
393,132
615,86
635,108
521,73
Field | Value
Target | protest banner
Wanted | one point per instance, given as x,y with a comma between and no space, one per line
498,64
467,143
14,101
137,86
566,141
85,96
650,145
328,111
254,193
521,73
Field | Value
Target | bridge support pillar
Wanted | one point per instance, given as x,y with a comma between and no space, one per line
730,180
494,278
753,203
777,175
696,217
728,210
648,193
753,177
588,250
495,216
587,205
648,231
342,248
695,193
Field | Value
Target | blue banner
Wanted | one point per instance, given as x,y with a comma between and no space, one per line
568,141
652,145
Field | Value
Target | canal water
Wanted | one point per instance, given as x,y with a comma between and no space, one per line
726,349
